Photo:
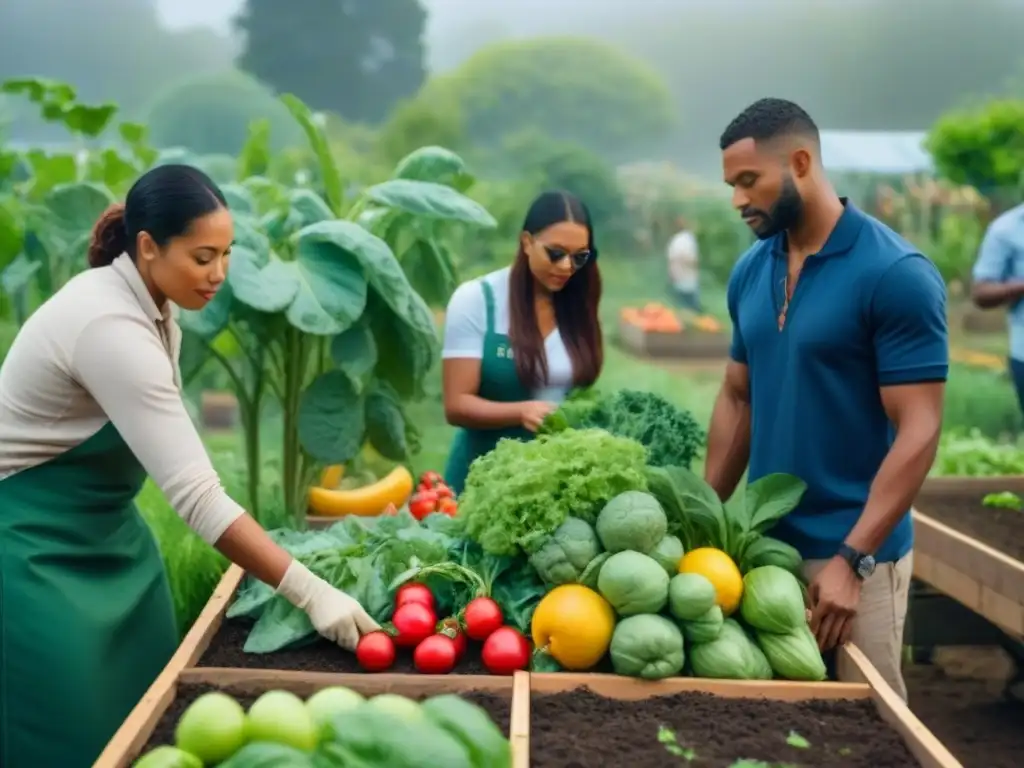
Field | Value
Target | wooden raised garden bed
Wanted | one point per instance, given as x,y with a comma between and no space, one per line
152,722
943,491
689,343
609,720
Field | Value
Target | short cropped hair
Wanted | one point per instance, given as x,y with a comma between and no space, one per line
768,119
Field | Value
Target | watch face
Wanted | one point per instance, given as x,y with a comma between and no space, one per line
866,566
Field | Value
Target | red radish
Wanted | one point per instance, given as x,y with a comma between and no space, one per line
448,507
414,592
482,617
505,651
443,491
430,479
450,628
414,622
375,651
436,655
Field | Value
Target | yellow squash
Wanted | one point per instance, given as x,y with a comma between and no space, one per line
718,568
394,488
574,625
330,478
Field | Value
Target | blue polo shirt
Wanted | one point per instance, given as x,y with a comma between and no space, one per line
868,311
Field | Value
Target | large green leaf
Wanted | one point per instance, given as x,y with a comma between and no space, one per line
427,198
309,207
406,355
435,164
332,421
332,285
355,352
240,200
75,207
379,265
12,232
431,271
770,498
385,422
329,176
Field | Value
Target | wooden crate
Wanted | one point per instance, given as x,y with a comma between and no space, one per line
985,580
966,489
133,734
689,344
860,681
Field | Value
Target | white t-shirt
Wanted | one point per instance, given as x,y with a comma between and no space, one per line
682,261
466,322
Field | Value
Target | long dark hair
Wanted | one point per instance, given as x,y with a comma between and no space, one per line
576,305
164,202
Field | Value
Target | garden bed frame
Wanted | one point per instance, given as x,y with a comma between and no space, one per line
861,680
966,489
688,344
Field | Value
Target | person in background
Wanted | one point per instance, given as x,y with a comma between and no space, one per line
683,266
998,281
517,340
836,375
90,404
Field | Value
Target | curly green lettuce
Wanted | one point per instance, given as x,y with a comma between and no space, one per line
521,492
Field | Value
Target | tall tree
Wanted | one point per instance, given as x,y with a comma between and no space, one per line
353,57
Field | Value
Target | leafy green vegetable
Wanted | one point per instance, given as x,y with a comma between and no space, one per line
668,552
690,596
633,583
520,492
793,655
565,555
971,454
367,738
647,646
731,656
632,520
672,436
487,745
772,600
706,627
1004,500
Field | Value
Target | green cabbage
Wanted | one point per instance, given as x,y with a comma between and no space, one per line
733,656
706,627
773,600
563,556
647,646
690,596
668,552
632,520
633,583
793,655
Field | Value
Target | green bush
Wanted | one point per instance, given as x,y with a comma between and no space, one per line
983,147
982,400
211,115
583,91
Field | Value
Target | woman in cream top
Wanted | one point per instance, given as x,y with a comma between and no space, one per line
90,404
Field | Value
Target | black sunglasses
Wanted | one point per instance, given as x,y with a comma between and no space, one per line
578,258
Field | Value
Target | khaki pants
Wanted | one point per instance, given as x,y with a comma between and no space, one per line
878,626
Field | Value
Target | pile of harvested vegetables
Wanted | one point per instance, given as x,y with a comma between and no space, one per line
592,547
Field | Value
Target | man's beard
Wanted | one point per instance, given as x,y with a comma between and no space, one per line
786,213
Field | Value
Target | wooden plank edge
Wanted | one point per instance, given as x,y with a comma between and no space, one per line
519,728
969,484
131,736
922,743
628,688
963,539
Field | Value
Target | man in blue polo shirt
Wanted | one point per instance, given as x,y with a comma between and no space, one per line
838,365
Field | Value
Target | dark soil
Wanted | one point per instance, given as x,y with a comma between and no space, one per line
320,656
580,729
500,710
1001,529
960,699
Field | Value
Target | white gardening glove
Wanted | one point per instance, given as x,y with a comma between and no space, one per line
334,614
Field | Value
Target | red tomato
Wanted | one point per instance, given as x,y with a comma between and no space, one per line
443,491
431,479
505,651
481,617
414,622
414,592
436,655
375,651
450,628
448,507
422,504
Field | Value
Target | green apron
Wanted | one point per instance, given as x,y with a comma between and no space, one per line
86,619
499,383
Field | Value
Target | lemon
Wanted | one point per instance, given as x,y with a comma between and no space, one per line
718,568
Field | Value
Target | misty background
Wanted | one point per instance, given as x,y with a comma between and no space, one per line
854,64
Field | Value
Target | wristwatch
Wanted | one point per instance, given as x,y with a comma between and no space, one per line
862,565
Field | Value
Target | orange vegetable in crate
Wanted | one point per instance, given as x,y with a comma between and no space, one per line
653,318
708,324
368,501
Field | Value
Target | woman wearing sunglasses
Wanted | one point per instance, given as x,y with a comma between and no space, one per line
518,339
